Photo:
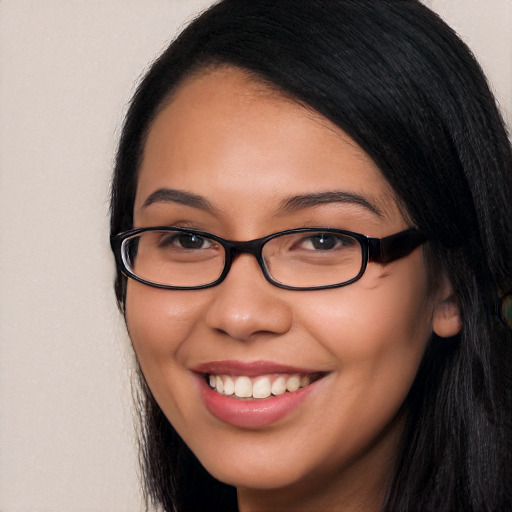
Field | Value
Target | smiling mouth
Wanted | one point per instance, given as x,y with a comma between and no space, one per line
260,387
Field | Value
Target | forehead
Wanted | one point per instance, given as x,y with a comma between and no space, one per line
232,139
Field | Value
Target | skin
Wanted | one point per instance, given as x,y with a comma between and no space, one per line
246,149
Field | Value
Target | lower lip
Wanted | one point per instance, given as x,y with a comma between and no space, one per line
255,413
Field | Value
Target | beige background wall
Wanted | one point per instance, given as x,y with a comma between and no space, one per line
67,69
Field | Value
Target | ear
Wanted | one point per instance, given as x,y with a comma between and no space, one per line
446,321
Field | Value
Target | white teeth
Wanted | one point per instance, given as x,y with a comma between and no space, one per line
279,386
229,386
243,387
305,380
219,385
260,387
293,383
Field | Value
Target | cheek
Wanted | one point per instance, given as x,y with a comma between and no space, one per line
158,324
377,329
389,306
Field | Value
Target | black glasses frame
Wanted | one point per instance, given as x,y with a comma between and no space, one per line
380,250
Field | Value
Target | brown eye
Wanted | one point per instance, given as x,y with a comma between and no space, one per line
326,242
188,241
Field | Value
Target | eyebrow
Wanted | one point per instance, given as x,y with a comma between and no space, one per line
291,204
303,201
170,195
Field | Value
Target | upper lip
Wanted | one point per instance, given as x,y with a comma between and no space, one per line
249,369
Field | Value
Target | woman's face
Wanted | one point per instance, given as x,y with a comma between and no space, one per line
247,162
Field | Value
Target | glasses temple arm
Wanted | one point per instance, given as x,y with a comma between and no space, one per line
385,250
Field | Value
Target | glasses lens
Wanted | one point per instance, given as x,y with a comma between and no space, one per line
313,258
173,258
505,310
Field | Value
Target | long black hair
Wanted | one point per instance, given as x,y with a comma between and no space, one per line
398,80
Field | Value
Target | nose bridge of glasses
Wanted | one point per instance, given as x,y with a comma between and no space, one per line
234,248
249,247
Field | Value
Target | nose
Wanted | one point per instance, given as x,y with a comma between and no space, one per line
245,305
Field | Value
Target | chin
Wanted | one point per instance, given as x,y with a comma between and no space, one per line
254,475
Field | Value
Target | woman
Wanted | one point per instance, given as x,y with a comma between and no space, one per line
314,318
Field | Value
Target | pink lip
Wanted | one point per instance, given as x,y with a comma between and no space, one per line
250,413
252,369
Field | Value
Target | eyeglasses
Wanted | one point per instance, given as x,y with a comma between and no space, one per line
296,259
